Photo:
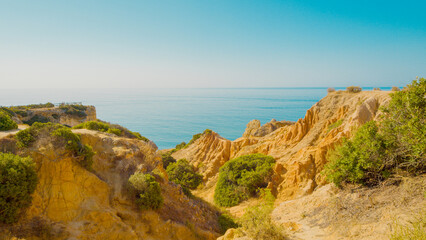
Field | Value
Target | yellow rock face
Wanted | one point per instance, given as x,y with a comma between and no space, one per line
95,204
300,149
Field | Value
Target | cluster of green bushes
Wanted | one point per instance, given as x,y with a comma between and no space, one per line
74,109
37,118
18,180
395,144
183,173
6,122
63,137
240,178
110,128
146,190
167,159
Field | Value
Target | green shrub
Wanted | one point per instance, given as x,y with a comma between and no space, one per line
241,177
256,222
378,150
18,180
110,128
146,190
330,90
180,145
74,110
183,173
358,160
6,122
167,159
208,131
353,89
395,89
63,137
226,222
37,118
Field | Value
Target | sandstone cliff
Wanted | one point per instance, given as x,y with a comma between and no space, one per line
299,148
79,204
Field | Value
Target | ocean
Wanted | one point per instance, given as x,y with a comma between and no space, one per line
170,116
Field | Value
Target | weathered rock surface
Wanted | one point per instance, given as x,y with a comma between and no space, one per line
95,204
300,149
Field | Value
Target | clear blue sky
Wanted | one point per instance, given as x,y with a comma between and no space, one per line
223,43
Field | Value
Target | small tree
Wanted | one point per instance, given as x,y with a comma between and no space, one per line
18,180
184,174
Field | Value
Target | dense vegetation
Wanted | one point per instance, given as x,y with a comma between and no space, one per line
354,89
256,222
18,180
110,128
62,137
226,222
395,144
74,109
146,190
37,118
167,159
241,177
6,122
183,173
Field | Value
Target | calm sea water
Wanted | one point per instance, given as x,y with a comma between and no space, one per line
170,116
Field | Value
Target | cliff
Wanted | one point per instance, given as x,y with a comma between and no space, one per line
75,203
299,148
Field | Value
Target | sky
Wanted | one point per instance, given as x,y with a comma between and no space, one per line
210,44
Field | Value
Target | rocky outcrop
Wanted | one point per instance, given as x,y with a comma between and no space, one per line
300,149
254,129
96,204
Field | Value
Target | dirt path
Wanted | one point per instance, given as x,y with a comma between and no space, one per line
14,131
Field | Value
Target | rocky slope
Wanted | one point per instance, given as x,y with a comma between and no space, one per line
299,148
306,206
74,203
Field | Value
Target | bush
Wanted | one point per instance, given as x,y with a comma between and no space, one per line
353,89
183,173
167,159
6,122
146,190
394,144
330,90
18,180
241,177
256,222
74,110
395,89
377,89
180,145
37,118
110,128
358,160
63,137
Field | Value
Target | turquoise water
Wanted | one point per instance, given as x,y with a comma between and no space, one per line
170,116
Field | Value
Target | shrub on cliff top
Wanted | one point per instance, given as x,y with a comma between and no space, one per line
183,173
62,137
6,122
74,109
110,128
241,177
379,149
18,180
167,159
146,190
